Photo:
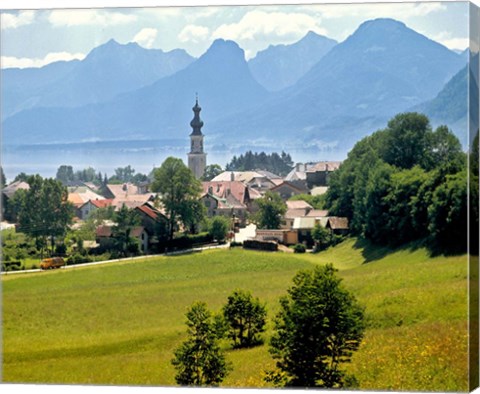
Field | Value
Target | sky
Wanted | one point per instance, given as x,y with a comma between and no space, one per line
33,38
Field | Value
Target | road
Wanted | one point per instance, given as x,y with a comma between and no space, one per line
124,259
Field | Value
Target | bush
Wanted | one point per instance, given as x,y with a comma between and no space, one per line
218,228
299,248
234,244
77,258
186,241
61,250
260,245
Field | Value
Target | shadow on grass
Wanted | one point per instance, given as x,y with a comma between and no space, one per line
372,252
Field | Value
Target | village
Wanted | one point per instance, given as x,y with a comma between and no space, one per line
233,195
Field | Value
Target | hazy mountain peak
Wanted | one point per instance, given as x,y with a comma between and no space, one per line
382,23
280,66
225,47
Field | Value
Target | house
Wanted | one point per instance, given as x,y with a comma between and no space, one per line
9,191
129,195
287,189
104,237
318,190
153,220
91,205
284,236
318,174
299,172
79,195
227,198
253,179
338,225
304,226
299,204
317,213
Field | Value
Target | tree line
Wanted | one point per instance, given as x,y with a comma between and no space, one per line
280,164
403,183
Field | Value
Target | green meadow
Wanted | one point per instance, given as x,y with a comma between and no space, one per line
119,323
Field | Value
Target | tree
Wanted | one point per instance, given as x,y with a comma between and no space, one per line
177,186
64,174
45,212
407,140
448,214
3,180
22,177
245,317
192,213
271,208
319,326
199,360
279,164
211,171
218,228
317,202
123,174
126,220
321,236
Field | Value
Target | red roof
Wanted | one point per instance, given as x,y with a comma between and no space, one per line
149,211
101,203
104,231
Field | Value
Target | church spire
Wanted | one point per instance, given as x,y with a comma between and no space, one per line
196,122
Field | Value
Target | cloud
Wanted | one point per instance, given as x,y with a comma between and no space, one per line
445,38
146,37
15,62
257,29
371,10
12,21
194,34
70,18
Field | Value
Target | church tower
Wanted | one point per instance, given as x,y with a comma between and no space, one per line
197,158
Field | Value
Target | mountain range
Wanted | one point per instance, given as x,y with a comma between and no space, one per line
338,94
280,66
107,71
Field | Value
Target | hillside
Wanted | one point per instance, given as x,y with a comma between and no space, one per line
118,324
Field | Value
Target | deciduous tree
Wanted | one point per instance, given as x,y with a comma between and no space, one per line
271,209
319,326
218,228
45,211
245,317
199,360
211,171
177,186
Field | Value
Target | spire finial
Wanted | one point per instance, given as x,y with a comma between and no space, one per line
196,98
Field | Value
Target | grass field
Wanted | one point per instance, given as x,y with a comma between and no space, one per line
119,323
